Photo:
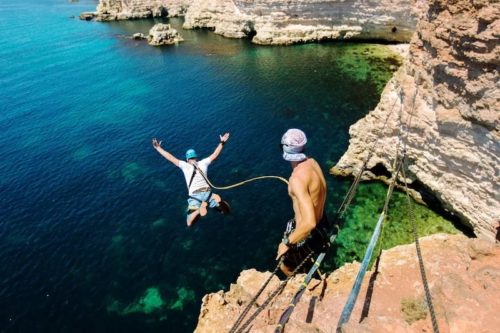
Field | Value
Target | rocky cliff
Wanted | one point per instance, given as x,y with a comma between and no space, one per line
463,276
443,107
111,10
297,21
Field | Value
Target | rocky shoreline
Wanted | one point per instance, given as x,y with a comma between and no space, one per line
298,21
276,22
115,10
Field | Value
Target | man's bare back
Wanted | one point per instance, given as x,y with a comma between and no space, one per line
308,174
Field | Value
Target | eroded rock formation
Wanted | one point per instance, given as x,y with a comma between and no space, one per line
163,34
463,276
111,10
297,21
443,107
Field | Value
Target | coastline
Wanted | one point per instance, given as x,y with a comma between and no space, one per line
367,130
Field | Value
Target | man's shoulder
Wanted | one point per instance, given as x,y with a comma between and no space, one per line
205,161
298,178
305,173
182,164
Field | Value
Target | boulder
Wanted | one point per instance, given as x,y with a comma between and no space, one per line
87,16
139,35
163,34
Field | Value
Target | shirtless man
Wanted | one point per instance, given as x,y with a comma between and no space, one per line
308,230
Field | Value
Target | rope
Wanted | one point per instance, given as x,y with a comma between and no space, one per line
239,183
351,300
249,305
288,312
411,214
428,296
352,190
278,290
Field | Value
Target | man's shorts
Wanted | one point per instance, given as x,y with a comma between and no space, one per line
316,242
195,200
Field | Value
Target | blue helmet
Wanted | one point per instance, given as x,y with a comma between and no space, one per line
190,153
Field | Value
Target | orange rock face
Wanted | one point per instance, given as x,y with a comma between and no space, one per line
463,276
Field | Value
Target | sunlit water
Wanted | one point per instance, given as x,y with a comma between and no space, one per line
92,229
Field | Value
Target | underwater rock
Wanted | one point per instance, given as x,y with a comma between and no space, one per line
299,21
163,34
148,303
464,286
442,107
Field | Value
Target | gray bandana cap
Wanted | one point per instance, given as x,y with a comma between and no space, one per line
294,142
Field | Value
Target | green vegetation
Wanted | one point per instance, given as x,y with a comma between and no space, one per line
362,217
413,309
369,62
183,296
150,302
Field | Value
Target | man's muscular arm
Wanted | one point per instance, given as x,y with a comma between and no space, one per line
305,206
298,188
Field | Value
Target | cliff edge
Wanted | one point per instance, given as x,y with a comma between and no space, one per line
114,10
274,22
463,276
443,107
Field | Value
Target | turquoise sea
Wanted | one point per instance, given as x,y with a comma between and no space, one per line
92,228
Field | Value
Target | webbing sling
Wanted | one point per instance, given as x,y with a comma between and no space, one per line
195,167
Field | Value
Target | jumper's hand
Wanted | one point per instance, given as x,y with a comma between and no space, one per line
224,138
282,249
156,144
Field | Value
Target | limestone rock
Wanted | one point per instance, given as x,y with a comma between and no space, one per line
465,291
163,34
87,16
111,10
443,107
139,35
298,21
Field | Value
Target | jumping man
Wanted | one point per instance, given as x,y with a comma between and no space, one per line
200,194
308,230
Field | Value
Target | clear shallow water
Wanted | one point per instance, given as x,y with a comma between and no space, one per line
92,218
